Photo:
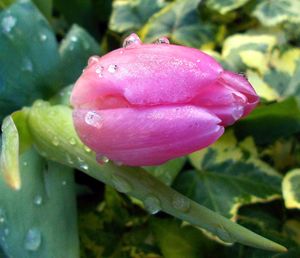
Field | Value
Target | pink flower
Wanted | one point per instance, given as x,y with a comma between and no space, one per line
144,104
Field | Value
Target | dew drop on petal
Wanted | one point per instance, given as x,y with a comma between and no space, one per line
93,60
162,40
33,239
99,71
92,118
131,41
152,204
237,112
181,203
112,68
121,184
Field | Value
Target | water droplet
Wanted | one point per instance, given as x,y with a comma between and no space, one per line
33,239
64,183
224,235
72,141
8,23
74,39
112,68
43,37
152,204
102,159
55,141
2,216
93,60
94,119
84,166
121,184
69,159
237,112
162,40
27,65
38,200
99,70
87,149
25,163
198,61
181,203
131,41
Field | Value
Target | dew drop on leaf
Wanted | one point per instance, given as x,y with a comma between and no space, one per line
8,23
33,239
152,204
102,159
181,203
38,200
55,141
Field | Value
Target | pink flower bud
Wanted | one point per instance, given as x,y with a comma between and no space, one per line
144,104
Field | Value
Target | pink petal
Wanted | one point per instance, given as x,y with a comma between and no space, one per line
147,75
147,136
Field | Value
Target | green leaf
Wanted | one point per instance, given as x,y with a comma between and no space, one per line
40,218
277,116
167,171
230,175
271,13
291,189
243,51
54,136
28,51
179,242
75,50
180,21
284,74
226,6
131,15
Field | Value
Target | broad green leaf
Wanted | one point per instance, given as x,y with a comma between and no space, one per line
179,242
45,7
54,136
248,51
225,6
5,3
291,189
284,74
28,51
262,89
75,50
265,219
181,22
131,15
230,175
167,171
271,13
39,220
277,116
76,11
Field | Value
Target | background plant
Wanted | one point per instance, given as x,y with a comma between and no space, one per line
251,175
